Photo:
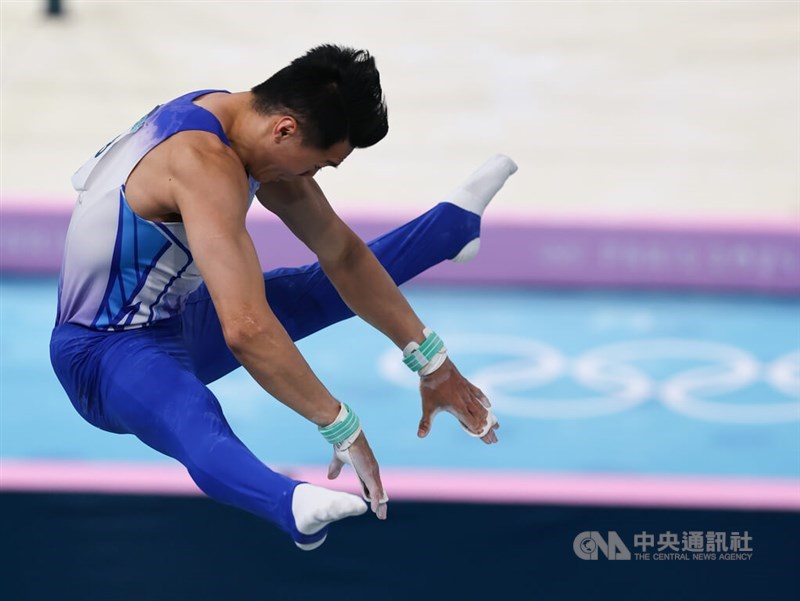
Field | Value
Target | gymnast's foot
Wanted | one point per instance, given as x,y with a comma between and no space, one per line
474,194
315,507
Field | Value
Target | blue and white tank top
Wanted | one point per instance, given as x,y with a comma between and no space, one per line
121,271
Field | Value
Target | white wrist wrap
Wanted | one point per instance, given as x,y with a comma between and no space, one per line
344,430
427,357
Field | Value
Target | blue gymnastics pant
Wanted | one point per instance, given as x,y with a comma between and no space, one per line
151,382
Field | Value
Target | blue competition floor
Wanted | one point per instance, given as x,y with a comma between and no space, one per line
624,382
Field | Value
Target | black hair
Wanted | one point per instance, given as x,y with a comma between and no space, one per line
333,92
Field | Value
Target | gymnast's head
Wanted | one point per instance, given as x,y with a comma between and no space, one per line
322,106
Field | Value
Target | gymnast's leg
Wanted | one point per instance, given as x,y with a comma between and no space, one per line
138,382
305,301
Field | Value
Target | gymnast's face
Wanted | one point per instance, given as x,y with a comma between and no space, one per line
284,154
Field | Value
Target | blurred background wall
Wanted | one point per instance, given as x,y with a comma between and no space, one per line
617,109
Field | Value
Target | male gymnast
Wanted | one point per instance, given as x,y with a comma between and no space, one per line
161,291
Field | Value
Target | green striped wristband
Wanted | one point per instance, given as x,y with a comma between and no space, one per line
343,428
417,358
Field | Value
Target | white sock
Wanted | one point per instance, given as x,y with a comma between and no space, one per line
475,193
315,507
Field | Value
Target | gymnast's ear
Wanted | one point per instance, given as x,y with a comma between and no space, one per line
284,128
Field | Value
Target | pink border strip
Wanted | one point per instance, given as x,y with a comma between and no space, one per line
713,492
759,257
498,216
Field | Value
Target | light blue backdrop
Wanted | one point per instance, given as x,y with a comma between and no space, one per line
627,382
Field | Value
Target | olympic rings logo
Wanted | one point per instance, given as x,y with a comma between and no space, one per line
617,382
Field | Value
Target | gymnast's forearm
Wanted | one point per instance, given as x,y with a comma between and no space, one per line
269,355
370,292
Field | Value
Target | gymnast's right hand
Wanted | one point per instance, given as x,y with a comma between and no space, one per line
359,455
447,390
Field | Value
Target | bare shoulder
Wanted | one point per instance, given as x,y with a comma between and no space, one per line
200,161
205,178
192,165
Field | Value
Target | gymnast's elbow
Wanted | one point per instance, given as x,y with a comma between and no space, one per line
245,331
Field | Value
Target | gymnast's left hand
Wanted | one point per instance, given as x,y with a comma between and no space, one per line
360,457
447,390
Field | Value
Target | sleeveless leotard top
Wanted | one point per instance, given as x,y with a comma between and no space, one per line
121,271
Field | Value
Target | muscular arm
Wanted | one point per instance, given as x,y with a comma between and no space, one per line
352,268
370,292
211,194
